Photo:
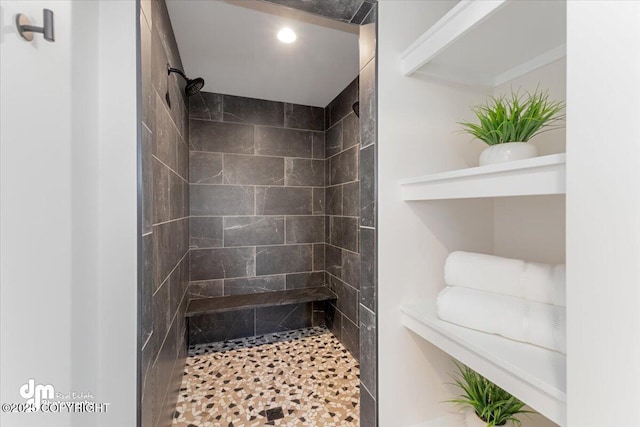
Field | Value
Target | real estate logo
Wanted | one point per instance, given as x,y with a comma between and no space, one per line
44,398
36,393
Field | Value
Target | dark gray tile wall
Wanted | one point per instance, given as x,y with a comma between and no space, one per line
284,201
222,263
342,252
353,11
257,173
368,409
305,229
248,285
284,259
254,230
165,219
368,222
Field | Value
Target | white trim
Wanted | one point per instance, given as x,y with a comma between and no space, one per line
531,65
459,20
536,176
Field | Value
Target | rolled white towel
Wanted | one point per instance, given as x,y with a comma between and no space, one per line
533,281
514,318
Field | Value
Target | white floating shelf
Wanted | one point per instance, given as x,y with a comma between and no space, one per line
537,176
489,42
535,375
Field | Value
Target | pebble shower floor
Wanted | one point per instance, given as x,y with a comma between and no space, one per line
298,378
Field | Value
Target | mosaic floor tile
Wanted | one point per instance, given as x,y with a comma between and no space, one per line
296,378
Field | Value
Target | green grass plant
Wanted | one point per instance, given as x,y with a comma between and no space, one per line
515,118
491,404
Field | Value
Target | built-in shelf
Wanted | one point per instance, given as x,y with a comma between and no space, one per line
535,375
489,42
537,176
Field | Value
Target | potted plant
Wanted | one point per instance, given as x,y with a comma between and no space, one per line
488,404
506,124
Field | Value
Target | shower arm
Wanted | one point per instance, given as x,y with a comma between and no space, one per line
178,71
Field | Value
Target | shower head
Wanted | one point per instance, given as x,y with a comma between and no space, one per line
193,86
356,108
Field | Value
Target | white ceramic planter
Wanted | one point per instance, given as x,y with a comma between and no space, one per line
507,152
472,420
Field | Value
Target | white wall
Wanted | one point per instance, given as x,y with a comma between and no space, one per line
603,211
84,292
35,212
530,228
533,228
67,208
417,135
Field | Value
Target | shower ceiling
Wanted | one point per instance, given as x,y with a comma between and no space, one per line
233,46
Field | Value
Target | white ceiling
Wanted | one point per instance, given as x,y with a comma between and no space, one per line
233,46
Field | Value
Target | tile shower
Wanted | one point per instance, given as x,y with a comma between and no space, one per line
257,174
243,196
274,206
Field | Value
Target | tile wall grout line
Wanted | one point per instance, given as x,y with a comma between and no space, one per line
342,151
365,387
255,138
173,318
169,221
258,216
341,314
169,167
373,58
257,155
305,187
346,283
147,340
261,125
260,276
368,309
285,232
355,14
222,167
344,249
170,273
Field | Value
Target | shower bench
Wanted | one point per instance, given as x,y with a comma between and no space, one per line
263,299
235,316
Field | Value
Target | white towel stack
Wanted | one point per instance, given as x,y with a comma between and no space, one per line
513,298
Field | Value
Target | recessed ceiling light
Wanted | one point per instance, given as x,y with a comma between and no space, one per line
286,35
